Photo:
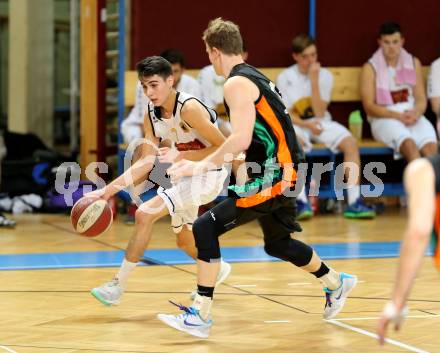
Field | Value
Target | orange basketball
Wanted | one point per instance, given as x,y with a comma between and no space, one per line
91,216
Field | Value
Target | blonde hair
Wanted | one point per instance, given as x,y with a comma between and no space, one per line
223,35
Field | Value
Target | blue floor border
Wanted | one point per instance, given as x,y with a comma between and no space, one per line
95,259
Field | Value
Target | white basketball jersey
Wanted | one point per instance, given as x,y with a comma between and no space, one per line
402,95
175,129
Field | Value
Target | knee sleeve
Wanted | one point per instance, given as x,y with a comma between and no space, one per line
291,250
210,226
206,232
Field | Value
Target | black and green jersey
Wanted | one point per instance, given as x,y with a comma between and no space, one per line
274,147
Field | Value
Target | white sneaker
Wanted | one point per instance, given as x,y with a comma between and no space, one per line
189,322
109,293
335,299
223,273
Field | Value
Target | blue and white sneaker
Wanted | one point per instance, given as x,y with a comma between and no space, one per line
303,210
189,322
335,299
359,210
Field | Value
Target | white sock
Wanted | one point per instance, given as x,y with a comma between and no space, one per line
203,305
124,271
331,280
302,195
353,193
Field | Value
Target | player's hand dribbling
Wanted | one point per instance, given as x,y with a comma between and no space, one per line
101,193
390,314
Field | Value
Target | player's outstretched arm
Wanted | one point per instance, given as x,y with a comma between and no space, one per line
419,182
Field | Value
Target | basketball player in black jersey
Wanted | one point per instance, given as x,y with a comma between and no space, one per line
422,185
262,128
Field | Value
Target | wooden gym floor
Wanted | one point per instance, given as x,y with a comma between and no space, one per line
264,306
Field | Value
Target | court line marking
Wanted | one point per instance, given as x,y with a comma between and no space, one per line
308,283
370,334
243,285
8,349
74,348
377,317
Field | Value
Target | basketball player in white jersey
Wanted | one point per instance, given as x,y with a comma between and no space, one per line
187,129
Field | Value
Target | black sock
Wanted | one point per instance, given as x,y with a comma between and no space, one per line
205,291
323,270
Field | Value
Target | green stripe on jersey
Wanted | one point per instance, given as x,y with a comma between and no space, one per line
271,168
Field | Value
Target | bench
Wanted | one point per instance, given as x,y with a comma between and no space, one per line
345,89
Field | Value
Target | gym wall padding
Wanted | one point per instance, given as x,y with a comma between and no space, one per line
267,28
346,30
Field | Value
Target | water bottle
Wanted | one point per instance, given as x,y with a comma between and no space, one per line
355,124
